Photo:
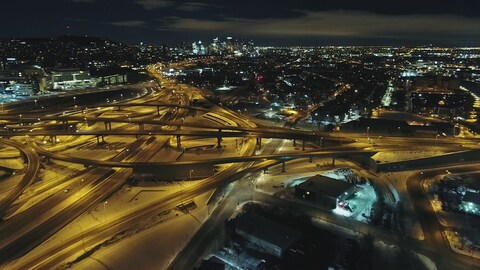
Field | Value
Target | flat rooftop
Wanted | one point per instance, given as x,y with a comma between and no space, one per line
325,185
267,230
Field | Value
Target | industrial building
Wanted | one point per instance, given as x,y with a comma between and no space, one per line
460,193
265,235
324,191
72,78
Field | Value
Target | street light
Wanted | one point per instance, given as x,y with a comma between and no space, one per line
21,123
436,137
190,173
105,210
368,129
455,126
83,240
36,105
74,101
78,188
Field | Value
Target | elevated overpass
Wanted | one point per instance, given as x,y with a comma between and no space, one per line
118,106
203,168
257,133
31,157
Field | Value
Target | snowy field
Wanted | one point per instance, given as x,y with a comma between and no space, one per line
395,156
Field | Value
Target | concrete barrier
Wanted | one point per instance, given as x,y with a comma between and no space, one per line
429,162
173,171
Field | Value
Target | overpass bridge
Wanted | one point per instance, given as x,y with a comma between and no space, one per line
225,132
118,106
148,169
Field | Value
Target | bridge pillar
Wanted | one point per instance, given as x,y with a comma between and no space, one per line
53,139
158,110
103,139
219,141
283,166
259,143
219,138
303,145
141,126
294,143
108,125
119,107
310,159
333,162
179,142
23,157
98,140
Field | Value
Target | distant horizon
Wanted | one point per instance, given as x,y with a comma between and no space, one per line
270,23
344,43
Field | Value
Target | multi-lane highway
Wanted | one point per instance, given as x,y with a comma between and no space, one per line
141,128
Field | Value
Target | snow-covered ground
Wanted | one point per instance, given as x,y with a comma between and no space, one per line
8,152
147,249
360,204
7,184
169,229
395,156
339,173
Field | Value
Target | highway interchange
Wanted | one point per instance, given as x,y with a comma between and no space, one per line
163,114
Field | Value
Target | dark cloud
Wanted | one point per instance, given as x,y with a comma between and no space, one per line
133,23
274,20
154,4
193,6
82,1
338,23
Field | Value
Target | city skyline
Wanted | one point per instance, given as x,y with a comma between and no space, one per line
279,23
202,135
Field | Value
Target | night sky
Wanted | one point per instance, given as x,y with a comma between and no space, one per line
272,22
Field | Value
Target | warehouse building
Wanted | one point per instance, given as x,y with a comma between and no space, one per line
265,235
324,191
